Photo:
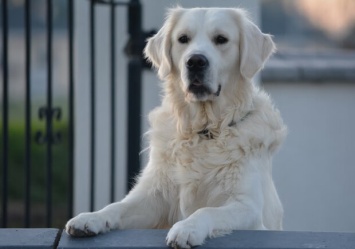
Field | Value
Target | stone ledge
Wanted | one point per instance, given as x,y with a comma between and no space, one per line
39,238
155,239
310,67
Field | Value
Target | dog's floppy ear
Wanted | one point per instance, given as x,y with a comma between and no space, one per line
157,50
255,47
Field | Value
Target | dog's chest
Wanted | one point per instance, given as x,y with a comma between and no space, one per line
206,174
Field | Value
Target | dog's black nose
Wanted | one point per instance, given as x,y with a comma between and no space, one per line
197,62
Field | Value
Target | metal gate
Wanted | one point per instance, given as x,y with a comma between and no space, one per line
37,133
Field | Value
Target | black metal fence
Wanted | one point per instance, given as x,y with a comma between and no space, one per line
48,139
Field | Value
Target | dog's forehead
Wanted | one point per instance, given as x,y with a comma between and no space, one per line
206,19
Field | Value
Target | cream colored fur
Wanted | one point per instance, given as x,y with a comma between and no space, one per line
204,185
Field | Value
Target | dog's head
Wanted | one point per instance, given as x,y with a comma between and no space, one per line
208,49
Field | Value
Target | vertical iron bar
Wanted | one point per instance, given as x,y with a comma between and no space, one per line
49,114
28,113
71,105
92,85
113,99
134,91
5,115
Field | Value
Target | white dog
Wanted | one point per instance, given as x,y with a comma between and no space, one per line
211,140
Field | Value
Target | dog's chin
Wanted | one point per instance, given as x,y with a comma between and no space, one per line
191,97
199,92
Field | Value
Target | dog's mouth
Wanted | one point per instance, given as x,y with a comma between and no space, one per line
199,89
218,90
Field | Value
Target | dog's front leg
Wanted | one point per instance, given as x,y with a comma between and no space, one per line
143,207
210,222
241,212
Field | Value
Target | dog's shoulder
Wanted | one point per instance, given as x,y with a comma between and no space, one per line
264,126
162,126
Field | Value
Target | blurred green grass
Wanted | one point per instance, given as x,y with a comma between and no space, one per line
38,187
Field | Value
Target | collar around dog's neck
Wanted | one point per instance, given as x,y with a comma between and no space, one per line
207,133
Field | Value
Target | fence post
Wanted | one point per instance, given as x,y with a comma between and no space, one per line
134,90
5,115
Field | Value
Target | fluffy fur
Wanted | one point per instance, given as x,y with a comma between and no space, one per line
209,169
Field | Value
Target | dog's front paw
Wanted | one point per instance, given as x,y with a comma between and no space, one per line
186,234
87,224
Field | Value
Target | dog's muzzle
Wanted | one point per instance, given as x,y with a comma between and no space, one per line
197,66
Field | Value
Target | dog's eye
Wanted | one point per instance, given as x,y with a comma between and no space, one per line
183,39
220,40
